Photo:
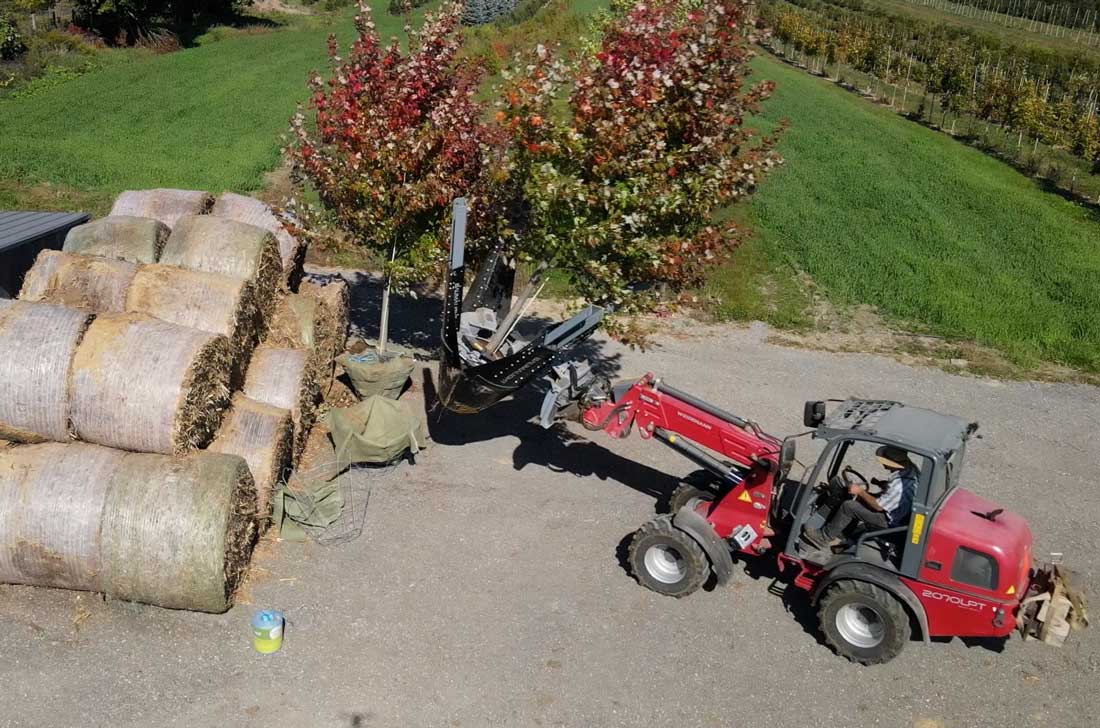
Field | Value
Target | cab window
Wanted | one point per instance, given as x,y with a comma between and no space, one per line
974,569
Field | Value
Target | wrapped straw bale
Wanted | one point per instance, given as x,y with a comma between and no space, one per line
178,532
264,436
165,205
51,504
228,247
136,239
37,346
285,378
142,384
82,281
206,301
171,531
241,208
332,325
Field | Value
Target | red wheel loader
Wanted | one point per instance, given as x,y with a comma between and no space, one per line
958,566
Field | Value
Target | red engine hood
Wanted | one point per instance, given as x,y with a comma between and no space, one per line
1006,538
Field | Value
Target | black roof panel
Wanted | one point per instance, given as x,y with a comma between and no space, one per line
17,228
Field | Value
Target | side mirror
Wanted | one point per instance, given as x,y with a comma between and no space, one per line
813,414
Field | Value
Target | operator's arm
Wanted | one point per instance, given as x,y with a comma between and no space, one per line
865,498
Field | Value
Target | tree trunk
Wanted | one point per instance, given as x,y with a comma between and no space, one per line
384,323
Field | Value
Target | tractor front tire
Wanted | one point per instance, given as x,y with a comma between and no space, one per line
666,560
863,622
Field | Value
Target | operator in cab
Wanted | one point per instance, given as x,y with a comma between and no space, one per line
891,508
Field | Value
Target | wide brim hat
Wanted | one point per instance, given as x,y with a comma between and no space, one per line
893,457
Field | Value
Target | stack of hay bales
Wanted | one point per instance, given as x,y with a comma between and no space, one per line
133,340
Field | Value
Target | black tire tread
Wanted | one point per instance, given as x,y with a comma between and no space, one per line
661,529
890,606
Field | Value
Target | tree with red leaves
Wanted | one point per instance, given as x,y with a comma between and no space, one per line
398,135
621,189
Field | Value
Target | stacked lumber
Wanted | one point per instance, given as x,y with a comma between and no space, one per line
125,349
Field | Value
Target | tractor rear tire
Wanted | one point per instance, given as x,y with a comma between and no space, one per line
693,487
863,622
666,560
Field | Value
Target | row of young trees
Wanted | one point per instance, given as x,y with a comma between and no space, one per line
963,74
608,165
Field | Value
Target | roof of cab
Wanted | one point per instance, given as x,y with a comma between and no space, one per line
907,426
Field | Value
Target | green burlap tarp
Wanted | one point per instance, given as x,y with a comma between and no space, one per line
372,373
377,430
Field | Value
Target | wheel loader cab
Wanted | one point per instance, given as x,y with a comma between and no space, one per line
853,433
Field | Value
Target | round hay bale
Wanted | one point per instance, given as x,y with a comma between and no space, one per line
264,436
37,344
293,323
285,378
178,532
136,239
165,205
146,385
96,284
332,325
51,501
171,531
206,301
232,248
241,208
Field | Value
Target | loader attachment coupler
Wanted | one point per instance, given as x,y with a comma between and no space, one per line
483,359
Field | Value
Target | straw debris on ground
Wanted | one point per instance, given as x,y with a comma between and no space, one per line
165,205
38,342
176,532
122,237
264,436
147,385
81,281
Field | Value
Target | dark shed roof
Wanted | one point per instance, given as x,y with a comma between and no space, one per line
17,228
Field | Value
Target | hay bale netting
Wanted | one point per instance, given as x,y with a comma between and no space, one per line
178,532
171,531
228,247
136,239
165,205
285,378
37,345
292,252
81,281
264,436
206,301
142,384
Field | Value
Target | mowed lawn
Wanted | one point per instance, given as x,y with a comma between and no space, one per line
880,210
205,118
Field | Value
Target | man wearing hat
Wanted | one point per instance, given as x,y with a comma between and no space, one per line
890,509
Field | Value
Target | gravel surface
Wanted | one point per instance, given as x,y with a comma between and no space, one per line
486,589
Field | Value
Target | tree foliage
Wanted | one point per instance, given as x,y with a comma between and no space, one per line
130,18
395,136
620,187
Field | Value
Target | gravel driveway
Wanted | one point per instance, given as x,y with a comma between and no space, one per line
486,589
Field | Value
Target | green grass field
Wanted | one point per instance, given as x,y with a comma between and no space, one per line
208,117
876,209
880,210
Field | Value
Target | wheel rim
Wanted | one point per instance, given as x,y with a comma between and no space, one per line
860,625
665,564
